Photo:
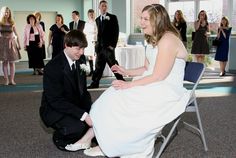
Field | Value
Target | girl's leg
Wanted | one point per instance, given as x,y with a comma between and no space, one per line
12,72
224,65
89,135
83,143
222,68
197,58
5,72
200,58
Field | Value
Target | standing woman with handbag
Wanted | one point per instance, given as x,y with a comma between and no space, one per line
222,50
200,45
9,45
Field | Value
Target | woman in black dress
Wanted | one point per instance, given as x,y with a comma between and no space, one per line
180,24
200,45
222,50
56,35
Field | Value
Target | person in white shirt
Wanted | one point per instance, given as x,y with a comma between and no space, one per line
90,30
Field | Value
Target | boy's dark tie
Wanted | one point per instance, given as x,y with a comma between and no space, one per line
77,80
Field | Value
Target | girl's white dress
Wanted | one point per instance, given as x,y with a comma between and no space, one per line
90,30
126,122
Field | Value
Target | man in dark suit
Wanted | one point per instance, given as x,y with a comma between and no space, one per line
107,37
76,24
65,99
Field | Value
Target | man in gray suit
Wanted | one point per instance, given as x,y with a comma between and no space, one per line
76,24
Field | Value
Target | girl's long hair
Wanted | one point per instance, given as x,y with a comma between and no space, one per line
160,22
3,20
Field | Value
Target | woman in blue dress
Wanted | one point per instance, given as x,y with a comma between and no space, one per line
222,51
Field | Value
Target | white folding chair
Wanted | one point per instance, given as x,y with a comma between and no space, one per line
193,75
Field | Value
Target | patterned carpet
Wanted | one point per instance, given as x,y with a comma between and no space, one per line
23,135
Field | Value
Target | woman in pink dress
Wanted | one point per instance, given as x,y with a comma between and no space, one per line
33,41
9,45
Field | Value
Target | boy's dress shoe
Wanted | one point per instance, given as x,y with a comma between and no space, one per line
93,85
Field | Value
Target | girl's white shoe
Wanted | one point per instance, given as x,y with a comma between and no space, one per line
77,146
93,152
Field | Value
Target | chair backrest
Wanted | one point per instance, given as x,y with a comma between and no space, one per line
193,73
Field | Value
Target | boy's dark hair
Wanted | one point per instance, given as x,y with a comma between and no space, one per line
75,38
103,1
76,12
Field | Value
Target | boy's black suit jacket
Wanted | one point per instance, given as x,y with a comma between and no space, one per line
61,95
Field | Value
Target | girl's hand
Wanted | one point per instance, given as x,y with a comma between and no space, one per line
88,120
118,69
119,84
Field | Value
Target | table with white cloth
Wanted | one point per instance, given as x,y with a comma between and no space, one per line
130,56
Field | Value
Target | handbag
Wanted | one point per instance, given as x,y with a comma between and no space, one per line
216,42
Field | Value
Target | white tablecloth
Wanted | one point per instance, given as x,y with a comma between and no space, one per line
131,56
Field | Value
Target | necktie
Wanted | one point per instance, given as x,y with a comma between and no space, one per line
76,78
74,72
73,67
102,21
75,25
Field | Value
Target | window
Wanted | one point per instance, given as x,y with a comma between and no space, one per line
214,12
137,7
188,11
232,21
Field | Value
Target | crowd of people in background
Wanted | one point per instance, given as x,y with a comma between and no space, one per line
200,38
34,40
199,49
114,118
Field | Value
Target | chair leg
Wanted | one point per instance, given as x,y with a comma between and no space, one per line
166,139
200,126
